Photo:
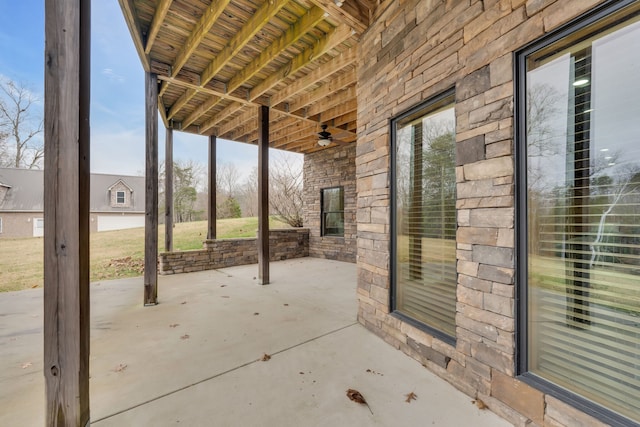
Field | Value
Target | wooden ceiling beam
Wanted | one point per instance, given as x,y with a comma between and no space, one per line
135,29
258,20
162,71
208,124
208,18
242,118
332,101
181,102
349,12
308,21
201,110
158,18
332,39
335,85
325,70
348,107
293,34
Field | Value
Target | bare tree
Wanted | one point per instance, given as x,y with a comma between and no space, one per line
19,126
248,196
285,190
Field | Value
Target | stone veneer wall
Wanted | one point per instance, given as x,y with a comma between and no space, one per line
331,167
413,51
220,253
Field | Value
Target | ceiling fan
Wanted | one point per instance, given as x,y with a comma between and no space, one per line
325,137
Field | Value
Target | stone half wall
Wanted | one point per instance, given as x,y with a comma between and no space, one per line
220,253
413,51
327,168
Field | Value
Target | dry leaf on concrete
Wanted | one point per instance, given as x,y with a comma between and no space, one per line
185,337
411,396
266,357
26,365
479,403
357,397
173,325
121,367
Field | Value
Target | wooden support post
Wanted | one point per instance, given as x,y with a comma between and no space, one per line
168,190
211,208
66,212
151,193
263,195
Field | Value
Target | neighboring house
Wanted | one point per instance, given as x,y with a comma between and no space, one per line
117,202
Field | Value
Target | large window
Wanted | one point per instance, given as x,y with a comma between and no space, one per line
332,201
424,215
579,153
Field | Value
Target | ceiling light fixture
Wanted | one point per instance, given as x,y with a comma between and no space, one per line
324,137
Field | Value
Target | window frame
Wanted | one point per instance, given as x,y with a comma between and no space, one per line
393,246
323,230
522,372
124,197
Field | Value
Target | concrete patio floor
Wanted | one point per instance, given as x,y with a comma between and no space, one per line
196,358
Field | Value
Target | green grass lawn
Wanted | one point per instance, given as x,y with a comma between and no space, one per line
114,254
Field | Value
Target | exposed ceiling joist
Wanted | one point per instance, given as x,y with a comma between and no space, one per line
293,34
210,16
321,92
261,17
201,110
181,102
133,22
332,39
349,12
156,23
218,118
325,70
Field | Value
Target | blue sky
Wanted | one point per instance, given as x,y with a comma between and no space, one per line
117,88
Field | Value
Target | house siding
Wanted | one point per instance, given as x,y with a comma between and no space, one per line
413,51
18,224
332,167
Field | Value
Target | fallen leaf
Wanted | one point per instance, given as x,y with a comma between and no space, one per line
266,357
256,313
173,325
225,296
26,365
183,302
121,367
357,397
411,396
301,373
479,403
222,286
185,337
286,305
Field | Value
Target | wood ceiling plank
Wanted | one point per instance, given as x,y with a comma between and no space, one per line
201,110
204,127
162,71
337,36
260,18
325,70
309,20
181,102
135,29
323,91
156,23
349,13
209,17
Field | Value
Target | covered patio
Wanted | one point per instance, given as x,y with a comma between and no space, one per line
196,358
